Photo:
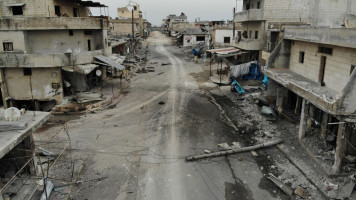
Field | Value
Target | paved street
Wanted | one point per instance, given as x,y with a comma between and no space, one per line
138,148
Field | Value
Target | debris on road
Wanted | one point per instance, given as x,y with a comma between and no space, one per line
234,151
301,192
49,187
207,151
254,153
280,185
224,147
160,73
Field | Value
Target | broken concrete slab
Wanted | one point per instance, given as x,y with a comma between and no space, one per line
280,185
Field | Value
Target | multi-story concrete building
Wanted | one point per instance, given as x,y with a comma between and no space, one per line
312,73
173,23
262,21
40,38
123,24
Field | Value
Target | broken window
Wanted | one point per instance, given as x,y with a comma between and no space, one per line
248,6
200,38
75,12
326,50
227,40
352,68
256,35
88,33
27,71
17,10
301,57
8,46
258,5
71,33
57,10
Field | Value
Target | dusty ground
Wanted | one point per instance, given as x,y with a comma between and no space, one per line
137,149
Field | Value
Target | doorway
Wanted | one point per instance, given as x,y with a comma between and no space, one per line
322,70
89,45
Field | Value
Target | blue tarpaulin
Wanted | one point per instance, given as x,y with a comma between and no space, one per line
238,87
265,81
255,72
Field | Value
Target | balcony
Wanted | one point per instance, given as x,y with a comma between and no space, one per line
53,23
249,15
249,44
17,60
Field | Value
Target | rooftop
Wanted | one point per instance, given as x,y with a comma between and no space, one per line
10,139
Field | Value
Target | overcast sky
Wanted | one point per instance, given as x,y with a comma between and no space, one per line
156,10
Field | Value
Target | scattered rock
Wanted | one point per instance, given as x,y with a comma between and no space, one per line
301,192
224,147
254,153
207,151
240,159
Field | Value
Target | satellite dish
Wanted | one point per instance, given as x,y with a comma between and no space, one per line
98,72
12,114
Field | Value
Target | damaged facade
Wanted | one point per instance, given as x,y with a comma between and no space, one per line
312,73
263,21
44,46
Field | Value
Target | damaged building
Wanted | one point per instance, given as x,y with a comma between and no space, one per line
263,21
312,74
48,49
193,37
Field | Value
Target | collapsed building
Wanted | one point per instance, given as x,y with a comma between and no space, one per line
46,49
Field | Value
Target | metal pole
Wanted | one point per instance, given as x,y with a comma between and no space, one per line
133,33
210,63
220,71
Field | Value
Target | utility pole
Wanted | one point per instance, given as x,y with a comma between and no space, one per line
233,22
133,34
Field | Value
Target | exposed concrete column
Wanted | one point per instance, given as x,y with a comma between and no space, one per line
279,98
297,105
303,119
324,125
340,148
103,72
3,89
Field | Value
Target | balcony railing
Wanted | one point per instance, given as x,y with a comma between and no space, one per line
249,15
53,23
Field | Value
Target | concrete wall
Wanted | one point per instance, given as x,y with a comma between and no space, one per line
220,34
287,10
59,41
16,37
126,12
180,26
332,12
124,28
19,86
338,65
44,8
191,40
